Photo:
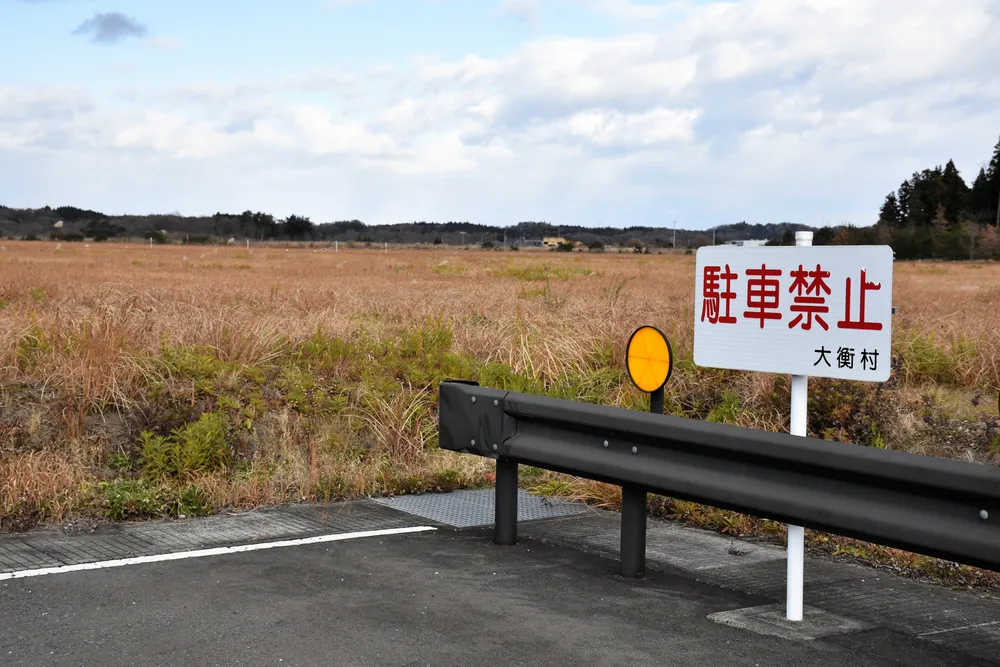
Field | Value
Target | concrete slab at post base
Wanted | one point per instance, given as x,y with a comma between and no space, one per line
770,620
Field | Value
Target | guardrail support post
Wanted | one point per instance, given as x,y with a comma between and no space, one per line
633,546
505,503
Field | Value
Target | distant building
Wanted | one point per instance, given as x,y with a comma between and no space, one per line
749,243
529,243
553,241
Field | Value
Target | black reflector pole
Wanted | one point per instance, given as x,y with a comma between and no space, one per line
656,402
634,510
505,507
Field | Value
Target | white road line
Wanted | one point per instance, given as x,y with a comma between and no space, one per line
217,551
963,627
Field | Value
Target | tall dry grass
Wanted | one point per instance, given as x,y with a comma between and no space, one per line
82,331
100,307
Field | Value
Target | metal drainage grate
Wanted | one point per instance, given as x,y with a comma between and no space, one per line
464,509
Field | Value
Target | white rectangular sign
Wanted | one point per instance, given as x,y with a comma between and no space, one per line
824,311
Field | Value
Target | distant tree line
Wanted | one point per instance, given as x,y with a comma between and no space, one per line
259,226
935,214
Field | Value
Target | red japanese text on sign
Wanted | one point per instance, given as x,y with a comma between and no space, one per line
809,301
763,291
714,298
860,323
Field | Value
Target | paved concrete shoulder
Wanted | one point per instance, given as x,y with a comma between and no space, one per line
443,598
450,597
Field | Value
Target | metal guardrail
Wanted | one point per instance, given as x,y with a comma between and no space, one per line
938,507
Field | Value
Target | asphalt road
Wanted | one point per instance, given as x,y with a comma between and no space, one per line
448,597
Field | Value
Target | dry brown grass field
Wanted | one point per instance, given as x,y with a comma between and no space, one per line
174,380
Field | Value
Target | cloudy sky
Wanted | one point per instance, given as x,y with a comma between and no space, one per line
615,112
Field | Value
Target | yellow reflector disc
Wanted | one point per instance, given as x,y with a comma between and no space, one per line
648,359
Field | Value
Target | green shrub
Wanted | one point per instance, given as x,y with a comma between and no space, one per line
994,445
447,480
925,359
441,481
433,338
727,410
856,412
300,389
545,272
502,376
595,386
197,363
322,351
20,516
196,447
422,358
122,499
32,345
120,462
530,273
191,501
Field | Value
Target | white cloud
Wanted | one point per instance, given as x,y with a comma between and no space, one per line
629,10
521,10
164,43
760,110
323,133
644,129
173,135
622,67
467,70
41,104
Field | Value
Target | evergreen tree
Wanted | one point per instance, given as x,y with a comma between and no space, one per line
298,227
979,197
954,193
903,201
994,169
823,236
926,194
264,225
889,213
993,191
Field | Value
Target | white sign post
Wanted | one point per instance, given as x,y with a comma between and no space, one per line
798,425
822,311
